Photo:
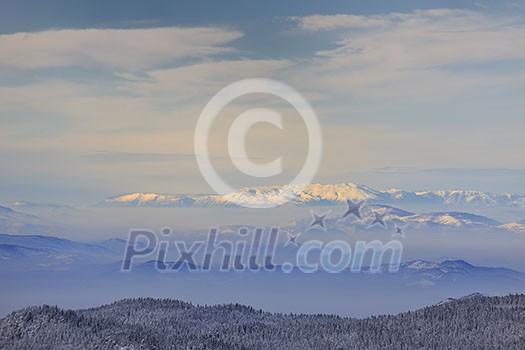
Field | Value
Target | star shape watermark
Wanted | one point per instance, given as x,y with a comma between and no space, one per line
292,239
353,209
400,231
379,218
318,220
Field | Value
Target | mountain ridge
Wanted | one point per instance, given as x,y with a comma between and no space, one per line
319,195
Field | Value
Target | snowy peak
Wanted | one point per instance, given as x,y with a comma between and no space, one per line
455,265
145,199
455,219
338,193
420,265
428,273
518,227
444,266
420,221
164,200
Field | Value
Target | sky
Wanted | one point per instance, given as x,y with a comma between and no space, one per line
102,98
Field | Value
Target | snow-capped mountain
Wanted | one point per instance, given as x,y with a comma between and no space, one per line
396,217
518,227
319,194
429,273
435,271
448,219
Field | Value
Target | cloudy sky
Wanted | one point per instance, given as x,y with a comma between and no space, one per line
101,98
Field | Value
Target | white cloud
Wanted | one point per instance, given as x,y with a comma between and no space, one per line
468,19
423,41
158,107
413,54
202,79
330,22
118,49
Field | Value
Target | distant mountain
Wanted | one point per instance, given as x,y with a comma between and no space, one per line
164,200
12,221
518,227
456,219
34,252
318,194
21,205
37,252
88,273
145,323
428,273
400,218
9,214
412,273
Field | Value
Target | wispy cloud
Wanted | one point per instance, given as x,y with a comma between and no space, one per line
331,22
120,49
414,54
464,18
203,79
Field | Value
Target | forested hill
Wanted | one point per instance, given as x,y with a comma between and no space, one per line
474,323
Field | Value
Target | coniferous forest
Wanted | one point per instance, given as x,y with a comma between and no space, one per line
145,323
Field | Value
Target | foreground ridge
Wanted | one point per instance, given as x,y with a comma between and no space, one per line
145,323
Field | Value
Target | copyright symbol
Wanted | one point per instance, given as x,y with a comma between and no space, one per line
236,144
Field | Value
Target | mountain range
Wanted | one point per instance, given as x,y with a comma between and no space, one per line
15,222
77,274
33,252
320,195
